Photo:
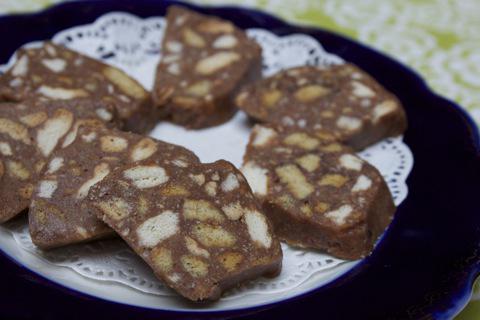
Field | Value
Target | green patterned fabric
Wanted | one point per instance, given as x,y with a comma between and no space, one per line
438,38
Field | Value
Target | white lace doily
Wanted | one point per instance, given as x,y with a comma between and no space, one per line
133,44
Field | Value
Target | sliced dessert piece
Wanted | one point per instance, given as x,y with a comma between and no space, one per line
317,193
198,226
341,99
53,72
204,62
18,167
59,213
29,132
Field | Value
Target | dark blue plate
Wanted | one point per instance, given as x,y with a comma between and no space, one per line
424,266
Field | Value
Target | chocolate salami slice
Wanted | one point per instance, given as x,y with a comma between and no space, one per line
204,62
317,193
53,72
198,226
60,213
29,133
341,99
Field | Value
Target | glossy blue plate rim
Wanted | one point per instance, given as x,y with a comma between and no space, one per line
425,264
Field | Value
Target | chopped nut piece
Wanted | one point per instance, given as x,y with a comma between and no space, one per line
18,170
73,132
21,67
310,93
262,135
302,140
125,83
384,108
215,176
14,130
226,41
327,114
195,266
55,65
309,162
295,180
174,69
216,61
201,210
59,93
198,178
46,188
39,166
230,260
233,211
334,180
258,228
113,144
82,232
34,119
321,207
180,163
144,149
89,137
285,201
363,183
104,114
339,215
211,188
175,190
195,249
230,183
257,178
361,90
325,136
351,162
99,173
270,98
333,147
170,58
146,176
199,89
213,236
5,149
242,98
115,209
349,123
162,258
143,205
54,165
174,46
186,102
156,229
193,39
306,210
53,129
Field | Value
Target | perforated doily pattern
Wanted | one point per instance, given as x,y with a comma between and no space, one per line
133,44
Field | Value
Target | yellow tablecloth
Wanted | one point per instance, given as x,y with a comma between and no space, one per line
438,38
